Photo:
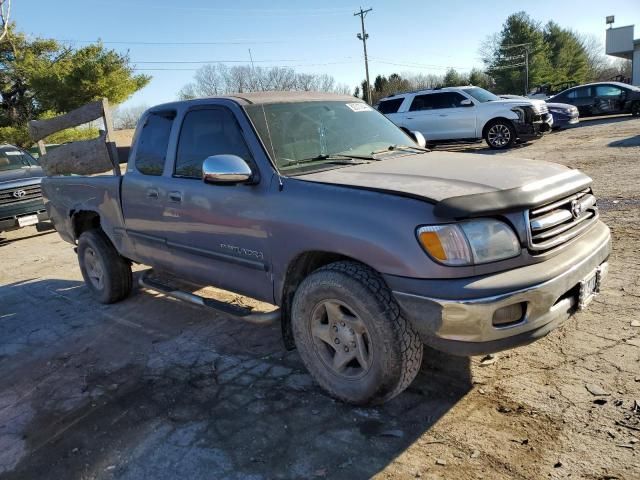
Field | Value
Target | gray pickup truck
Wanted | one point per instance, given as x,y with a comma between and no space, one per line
368,245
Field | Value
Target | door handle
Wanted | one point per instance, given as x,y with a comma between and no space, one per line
175,197
443,115
152,193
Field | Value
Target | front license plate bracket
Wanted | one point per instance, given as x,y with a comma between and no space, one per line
590,286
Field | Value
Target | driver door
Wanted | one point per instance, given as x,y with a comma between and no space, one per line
216,234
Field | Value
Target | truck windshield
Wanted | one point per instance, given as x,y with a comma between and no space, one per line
12,159
317,132
481,94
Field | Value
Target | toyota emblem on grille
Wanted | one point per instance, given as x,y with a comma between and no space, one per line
19,193
576,208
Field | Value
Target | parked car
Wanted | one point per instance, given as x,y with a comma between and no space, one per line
369,245
603,98
563,114
467,113
21,202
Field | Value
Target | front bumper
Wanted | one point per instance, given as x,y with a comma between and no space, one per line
13,223
541,124
457,316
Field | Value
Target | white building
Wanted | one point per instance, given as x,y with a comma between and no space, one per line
620,43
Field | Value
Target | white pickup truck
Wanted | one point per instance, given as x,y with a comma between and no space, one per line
467,114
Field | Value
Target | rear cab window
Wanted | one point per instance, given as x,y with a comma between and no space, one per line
390,106
151,149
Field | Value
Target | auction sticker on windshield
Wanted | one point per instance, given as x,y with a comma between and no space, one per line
359,107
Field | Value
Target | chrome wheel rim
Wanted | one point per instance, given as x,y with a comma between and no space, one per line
341,339
94,268
499,135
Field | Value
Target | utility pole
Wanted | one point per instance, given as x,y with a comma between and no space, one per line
526,70
363,36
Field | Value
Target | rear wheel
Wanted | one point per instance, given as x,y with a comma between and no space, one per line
500,134
635,108
351,334
106,273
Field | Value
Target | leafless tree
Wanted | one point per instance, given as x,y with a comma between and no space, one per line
601,66
124,118
5,12
219,79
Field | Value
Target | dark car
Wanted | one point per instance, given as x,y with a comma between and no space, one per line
564,115
21,201
604,98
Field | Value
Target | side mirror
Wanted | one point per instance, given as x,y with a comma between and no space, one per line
225,169
419,139
466,103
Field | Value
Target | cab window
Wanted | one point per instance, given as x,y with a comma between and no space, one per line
204,133
151,151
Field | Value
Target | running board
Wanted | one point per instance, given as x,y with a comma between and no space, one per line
235,311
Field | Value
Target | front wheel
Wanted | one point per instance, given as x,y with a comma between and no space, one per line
106,273
500,134
351,334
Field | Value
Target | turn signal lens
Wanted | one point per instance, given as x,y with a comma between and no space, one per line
431,242
445,243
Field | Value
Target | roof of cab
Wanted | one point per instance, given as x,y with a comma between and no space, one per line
291,97
263,98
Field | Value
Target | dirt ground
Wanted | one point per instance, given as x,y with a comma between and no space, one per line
152,388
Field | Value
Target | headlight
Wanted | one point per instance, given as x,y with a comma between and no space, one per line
469,243
518,111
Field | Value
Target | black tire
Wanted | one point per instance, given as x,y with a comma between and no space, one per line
635,108
500,134
380,337
106,274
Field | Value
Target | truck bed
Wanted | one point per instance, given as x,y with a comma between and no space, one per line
65,196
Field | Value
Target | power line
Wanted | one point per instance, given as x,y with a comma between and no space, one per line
245,61
506,67
418,65
157,62
135,42
516,45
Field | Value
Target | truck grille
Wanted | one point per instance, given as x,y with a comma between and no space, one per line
556,223
20,194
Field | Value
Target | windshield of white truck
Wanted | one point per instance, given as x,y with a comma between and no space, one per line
321,133
481,94
12,159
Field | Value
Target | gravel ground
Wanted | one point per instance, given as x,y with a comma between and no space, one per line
153,388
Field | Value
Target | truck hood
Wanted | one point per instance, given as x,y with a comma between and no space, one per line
461,185
12,176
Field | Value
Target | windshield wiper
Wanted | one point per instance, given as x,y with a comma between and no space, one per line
406,148
332,158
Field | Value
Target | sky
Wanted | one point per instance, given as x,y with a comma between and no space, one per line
418,36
